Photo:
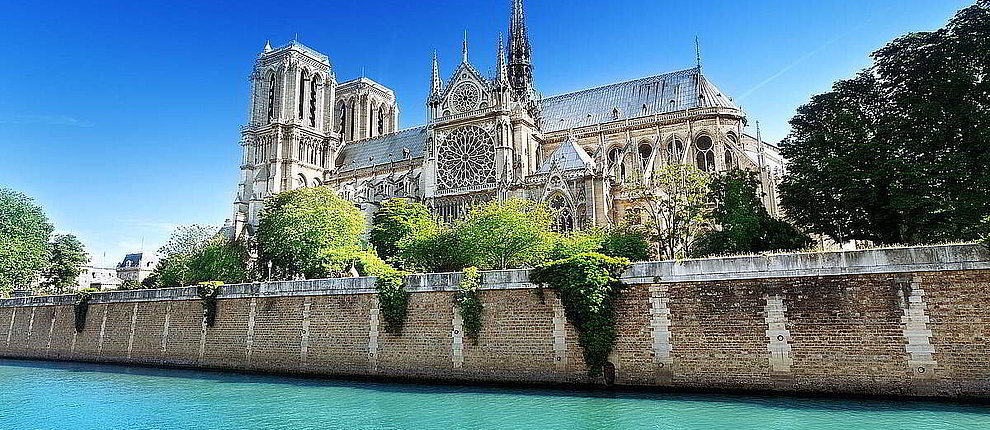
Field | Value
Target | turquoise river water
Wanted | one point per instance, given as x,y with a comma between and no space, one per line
46,395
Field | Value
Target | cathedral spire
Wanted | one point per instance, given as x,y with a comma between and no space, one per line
501,73
464,49
435,82
520,56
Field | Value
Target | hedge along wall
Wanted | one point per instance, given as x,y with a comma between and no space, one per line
905,321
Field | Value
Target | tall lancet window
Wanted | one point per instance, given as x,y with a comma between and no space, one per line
341,117
302,92
381,120
271,98
313,87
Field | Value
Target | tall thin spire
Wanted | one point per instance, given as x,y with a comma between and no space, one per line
435,83
501,73
520,55
464,49
697,51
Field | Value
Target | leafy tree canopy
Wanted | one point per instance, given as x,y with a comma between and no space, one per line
299,227
745,225
219,259
396,220
24,247
898,154
68,255
675,203
504,234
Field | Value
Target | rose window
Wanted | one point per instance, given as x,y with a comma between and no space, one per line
466,158
465,97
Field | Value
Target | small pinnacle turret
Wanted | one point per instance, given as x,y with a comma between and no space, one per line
268,46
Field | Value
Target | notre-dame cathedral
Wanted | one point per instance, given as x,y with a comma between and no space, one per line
486,138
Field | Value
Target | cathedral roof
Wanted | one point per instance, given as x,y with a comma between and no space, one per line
567,156
384,149
664,93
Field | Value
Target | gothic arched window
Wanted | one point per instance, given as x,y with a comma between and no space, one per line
675,149
730,161
313,87
271,98
341,117
645,152
302,92
705,156
563,220
616,164
381,120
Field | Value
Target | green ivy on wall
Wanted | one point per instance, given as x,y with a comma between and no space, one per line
208,292
469,302
588,286
81,307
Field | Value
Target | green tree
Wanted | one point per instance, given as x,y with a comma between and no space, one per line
898,154
68,255
173,267
506,234
219,259
744,225
626,241
396,220
299,227
437,248
24,247
676,205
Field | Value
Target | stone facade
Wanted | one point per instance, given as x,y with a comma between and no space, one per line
907,321
136,267
104,278
486,138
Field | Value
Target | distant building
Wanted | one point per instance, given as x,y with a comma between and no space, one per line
136,267
104,278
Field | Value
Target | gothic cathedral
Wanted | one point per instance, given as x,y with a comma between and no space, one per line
486,138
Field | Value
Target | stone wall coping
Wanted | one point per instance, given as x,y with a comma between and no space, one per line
930,258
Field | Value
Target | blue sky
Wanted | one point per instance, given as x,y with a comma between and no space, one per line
122,119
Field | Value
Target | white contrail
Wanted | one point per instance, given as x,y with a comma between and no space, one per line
809,55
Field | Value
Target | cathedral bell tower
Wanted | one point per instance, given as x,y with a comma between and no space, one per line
287,142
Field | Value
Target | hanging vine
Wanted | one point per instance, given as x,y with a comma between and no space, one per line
81,308
469,303
588,286
208,292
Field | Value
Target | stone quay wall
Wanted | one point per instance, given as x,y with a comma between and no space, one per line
902,321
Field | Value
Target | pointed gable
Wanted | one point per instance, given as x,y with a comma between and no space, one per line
568,156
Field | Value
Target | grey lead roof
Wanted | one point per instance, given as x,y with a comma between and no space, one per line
384,149
668,92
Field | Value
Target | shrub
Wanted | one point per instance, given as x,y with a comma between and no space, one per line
435,249
130,284
208,292
627,242
469,303
588,286
577,242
